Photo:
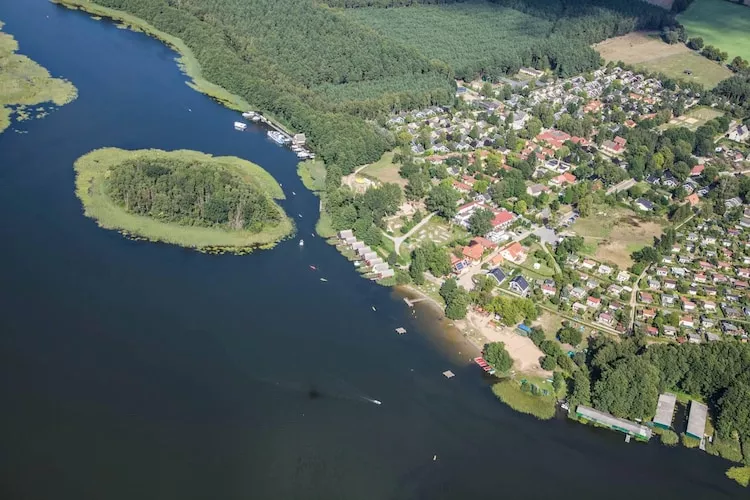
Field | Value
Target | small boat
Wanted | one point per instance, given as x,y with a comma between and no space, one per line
357,264
295,194
313,268
301,243
240,126
373,308
190,110
249,114
277,137
300,215
323,279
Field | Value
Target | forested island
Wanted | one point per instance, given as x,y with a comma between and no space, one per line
25,83
182,197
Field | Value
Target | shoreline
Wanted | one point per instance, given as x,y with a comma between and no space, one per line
92,169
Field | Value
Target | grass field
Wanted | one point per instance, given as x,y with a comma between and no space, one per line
650,53
694,118
458,34
616,232
509,392
720,23
313,174
25,83
93,168
385,170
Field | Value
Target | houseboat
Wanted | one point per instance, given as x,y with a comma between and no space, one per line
278,137
240,126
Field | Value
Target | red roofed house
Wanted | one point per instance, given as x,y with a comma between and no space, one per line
473,252
593,302
555,138
697,170
487,244
693,199
561,180
514,252
502,219
592,106
629,123
461,187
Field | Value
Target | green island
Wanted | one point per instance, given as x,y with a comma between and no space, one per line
186,198
25,83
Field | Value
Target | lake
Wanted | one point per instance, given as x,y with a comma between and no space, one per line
138,370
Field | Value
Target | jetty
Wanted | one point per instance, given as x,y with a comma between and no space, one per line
411,302
281,136
640,432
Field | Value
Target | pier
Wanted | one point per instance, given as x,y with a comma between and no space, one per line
411,302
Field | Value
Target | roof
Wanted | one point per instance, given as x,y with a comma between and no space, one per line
521,282
665,410
697,170
644,203
479,240
514,249
619,424
498,274
697,419
502,217
474,251
693,199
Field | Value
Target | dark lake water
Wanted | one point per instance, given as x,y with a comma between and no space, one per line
135,370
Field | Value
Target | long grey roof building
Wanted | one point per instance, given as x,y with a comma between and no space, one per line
665,410
697,420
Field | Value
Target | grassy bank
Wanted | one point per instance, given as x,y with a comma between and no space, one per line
187,61
93,169
23,83
510,392
313,175
740,474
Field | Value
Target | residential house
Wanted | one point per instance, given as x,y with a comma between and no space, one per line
498,274
514,252
520,285
593,302
605,319
644,205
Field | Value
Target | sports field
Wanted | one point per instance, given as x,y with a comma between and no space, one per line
650,53
720,23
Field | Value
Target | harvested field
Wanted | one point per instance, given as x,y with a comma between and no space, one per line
649,53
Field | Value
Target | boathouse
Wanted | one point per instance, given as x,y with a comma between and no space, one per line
640,432
665,410
346,233
697,420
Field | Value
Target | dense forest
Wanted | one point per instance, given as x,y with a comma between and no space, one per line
321,70
190,194
625,378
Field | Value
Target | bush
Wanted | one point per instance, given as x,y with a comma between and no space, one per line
670,438
568,335
740,474
549,362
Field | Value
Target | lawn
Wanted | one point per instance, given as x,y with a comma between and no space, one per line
720,23
614,233
650,53
437,230
694,118
550,323
385,170
511,393
313,174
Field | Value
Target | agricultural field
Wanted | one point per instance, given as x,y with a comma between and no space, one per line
459,34
648,52
720,23
694,119
606,244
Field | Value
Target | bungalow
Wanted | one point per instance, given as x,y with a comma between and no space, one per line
670,284
622,276
668,300
709,306
579,308
614,290
536,190
652,330
669,330
648,313
662,271
549,290
498,274
654,284
605,319
578,293
593,302
520,285
694,338
699,278
739,133
743,272
688,305
687,322
644,205
646,298
707,322
461,187
693,199
604,269
588,264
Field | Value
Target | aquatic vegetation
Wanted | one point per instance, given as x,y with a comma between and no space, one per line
142,195
24,83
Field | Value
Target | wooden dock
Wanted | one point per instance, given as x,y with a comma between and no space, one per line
411,302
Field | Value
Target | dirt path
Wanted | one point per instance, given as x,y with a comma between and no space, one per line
400,239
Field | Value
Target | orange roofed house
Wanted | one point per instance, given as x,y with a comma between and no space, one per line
514,252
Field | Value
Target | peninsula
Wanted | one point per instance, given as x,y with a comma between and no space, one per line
25,83
187,198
